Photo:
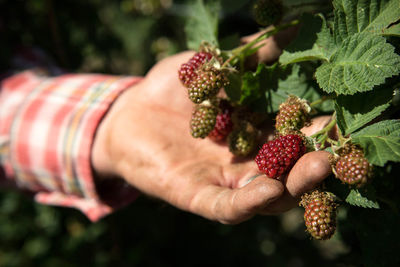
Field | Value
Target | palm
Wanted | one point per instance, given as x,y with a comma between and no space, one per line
154,151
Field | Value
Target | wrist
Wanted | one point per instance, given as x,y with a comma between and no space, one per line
101,153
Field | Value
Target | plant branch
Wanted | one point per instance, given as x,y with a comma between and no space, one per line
237,52
327,128
319,101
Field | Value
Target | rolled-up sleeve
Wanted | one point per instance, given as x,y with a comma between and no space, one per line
47,127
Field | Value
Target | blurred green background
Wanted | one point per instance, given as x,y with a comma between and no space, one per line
128,37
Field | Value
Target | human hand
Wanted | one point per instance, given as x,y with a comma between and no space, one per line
145,140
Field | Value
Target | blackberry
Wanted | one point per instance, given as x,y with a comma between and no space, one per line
320,214
188,70
352,167
293,114
278,156
206,84
203,120
224,124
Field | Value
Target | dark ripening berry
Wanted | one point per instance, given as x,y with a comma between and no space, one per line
224,124
293,115
242,141
203,121
320,214
187,70
206,84
352,167
267,12
278,156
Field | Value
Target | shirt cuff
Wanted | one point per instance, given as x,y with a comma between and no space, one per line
47,145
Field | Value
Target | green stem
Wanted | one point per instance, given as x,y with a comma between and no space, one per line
239,50
331,141
320,3
327,128
319,101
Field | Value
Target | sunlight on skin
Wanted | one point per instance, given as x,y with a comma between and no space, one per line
145,140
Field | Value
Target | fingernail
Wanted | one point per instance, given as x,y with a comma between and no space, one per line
251,179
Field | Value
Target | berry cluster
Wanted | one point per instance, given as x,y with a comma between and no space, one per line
202,79
213,116
224,121
278,156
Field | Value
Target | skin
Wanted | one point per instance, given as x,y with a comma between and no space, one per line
145,140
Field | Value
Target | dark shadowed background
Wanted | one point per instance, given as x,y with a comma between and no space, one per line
128,37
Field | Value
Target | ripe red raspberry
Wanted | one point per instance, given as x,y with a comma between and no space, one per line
224,124
278,156
293,114
188,70
320,214
352,167
203,120
267,12
206,84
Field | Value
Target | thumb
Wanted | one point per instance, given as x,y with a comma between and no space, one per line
232,206
310,170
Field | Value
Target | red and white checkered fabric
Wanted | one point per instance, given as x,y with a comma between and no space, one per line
47,127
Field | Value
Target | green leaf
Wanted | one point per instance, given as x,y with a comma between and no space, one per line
356,16
393,30
362,61
353,112
254,84
233,89
314,42
295,80
202,23
380,141
382,14
356,198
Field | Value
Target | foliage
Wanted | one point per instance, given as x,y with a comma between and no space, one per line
345,60
352,53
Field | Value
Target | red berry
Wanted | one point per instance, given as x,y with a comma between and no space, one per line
278,156
224,124
320,214
352,167
188,70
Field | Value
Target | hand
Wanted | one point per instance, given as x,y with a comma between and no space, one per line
145,140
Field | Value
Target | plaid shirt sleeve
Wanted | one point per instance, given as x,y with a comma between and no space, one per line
47,127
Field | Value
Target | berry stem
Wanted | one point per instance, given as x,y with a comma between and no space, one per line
327,128
237,52
317,3
319,101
